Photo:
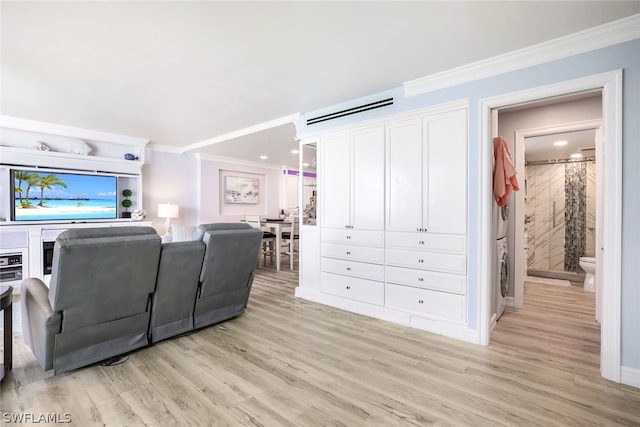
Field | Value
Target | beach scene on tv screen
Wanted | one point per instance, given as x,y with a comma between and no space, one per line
63,196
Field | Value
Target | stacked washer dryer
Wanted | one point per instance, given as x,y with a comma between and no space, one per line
502,285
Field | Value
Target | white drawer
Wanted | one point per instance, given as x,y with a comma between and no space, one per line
427,303
447,263
353,252
14,239
352,268
364,290
450,243
427,279
356,237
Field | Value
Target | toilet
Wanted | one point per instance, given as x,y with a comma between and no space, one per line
588,264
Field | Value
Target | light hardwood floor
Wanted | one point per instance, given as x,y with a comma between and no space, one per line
289,362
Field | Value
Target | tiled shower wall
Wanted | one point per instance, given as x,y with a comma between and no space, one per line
560,215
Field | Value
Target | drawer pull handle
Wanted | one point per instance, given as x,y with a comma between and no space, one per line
348,287
421,242
418,229
420,301
421,261
348,268
420,279
349,237
348,253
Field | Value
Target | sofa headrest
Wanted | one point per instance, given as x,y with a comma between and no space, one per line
219,226
92,233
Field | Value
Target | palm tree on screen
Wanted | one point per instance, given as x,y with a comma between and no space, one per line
31,179
49,182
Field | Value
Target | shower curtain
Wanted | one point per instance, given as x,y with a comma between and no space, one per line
575,179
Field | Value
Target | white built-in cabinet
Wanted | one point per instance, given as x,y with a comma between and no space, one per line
352,179
425,250
427,174
352,214
393,219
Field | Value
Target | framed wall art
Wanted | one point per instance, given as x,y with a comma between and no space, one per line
241,190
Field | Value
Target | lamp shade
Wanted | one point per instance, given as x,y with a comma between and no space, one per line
167,210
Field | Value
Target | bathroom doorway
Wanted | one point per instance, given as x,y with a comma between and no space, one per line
609,86
557,209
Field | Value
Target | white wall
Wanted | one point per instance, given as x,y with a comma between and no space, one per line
196,184
170,178
213,208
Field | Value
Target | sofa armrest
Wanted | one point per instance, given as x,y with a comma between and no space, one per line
39,322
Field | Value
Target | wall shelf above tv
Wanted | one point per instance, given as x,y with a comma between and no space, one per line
25,157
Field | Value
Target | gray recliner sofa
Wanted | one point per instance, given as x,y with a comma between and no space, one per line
204,281
116,289
227,271
98,303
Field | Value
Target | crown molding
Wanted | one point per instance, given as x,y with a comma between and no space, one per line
602,36
164,148
17,123
243,132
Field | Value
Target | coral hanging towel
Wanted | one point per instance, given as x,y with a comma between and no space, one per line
504,173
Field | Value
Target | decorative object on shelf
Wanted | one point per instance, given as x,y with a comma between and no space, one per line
78,146
41,146
138,214
130,156
168,211
126,202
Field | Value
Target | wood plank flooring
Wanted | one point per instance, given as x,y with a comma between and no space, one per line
289,362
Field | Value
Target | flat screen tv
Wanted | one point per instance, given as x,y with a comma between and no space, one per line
61,196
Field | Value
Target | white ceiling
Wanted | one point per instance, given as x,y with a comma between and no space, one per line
180,73
541,148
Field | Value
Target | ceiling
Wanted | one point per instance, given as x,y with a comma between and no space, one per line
542,148
188,74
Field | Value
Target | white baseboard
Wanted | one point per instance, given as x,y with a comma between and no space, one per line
509,302
440,327
630,376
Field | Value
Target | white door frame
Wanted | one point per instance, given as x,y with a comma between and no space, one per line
611,85
519,205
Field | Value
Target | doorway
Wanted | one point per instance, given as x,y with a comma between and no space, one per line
557,210
610,173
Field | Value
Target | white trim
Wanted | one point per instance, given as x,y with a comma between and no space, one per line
611,85
162,148
608,34
243,132
611,276
69,131
519,270
630,376
439,327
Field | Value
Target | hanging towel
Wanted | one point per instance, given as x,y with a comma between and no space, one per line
504,173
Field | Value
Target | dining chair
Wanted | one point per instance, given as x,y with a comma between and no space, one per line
290,233
268,247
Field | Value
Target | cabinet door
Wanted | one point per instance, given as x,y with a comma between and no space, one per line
445,178
335,178
404,175
367,175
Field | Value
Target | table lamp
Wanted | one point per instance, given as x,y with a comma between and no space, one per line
168,211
